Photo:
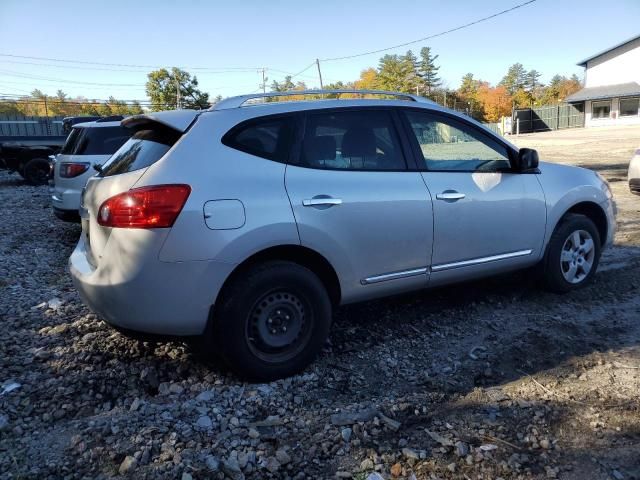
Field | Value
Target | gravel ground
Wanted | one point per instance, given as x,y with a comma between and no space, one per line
484,380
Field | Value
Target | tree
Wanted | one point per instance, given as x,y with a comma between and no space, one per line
412,80
284,86
395,74
495,101
428,70
514,80
368,80
469,86
162,88
468,94
533,85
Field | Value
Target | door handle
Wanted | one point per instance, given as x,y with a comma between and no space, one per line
450,195
313,202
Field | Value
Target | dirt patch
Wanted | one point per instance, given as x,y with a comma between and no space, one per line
489,379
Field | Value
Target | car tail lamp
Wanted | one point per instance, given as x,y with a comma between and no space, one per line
146,207
73,169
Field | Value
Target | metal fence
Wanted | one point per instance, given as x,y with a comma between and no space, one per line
30,126
550,117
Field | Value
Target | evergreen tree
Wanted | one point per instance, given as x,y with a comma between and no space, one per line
412,79
532,81
515,78
428,70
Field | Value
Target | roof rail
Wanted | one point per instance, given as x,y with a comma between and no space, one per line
240,100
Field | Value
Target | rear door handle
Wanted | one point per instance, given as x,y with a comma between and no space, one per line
450,195
314,202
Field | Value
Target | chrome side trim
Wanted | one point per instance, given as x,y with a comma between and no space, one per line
393,276
478,261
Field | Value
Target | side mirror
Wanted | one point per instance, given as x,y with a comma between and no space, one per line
527,160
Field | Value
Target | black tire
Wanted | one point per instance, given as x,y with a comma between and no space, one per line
556,271
271,321
36,171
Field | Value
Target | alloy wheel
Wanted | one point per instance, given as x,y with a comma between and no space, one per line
577,256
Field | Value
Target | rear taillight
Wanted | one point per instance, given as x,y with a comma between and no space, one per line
146,207
73,169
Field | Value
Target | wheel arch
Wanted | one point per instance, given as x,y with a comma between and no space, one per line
304,256
592,211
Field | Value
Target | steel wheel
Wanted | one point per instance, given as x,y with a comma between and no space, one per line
577,256
278,326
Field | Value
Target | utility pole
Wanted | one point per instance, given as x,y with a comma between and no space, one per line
46,113
177,93
264,82
319,74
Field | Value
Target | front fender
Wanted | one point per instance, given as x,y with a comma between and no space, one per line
565,187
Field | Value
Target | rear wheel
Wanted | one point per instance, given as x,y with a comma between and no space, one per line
573,254
272,321
36,171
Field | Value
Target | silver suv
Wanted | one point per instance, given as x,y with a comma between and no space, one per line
88,146
245,224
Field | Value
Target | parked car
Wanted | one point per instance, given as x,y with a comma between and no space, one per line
634,173
244,225
69,122
88,146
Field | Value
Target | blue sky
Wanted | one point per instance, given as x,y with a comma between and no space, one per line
286,36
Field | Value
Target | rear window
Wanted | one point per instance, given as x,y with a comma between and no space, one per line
95,140
143,149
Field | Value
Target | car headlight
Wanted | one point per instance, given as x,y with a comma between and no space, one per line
606,188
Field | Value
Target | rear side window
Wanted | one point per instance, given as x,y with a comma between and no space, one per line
143,149
95,140
351,140
268,137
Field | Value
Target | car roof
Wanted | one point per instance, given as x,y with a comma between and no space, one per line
96,124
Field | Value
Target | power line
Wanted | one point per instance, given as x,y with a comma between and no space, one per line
484,19
84,62
303,70
212,71
35,77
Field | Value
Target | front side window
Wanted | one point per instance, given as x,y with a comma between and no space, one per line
351,140
264,137
95,140
600,109
629,107
450,145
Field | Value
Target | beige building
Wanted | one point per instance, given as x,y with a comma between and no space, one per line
611,93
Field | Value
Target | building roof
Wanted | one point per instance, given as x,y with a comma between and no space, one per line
605,91
583,63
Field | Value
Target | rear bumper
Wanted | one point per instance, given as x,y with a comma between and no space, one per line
133,290
65,199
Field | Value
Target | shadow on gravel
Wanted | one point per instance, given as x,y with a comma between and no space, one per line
12,181
477,334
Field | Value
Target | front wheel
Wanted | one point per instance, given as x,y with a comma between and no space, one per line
573,254
272,321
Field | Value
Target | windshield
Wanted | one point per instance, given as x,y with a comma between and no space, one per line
95,141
